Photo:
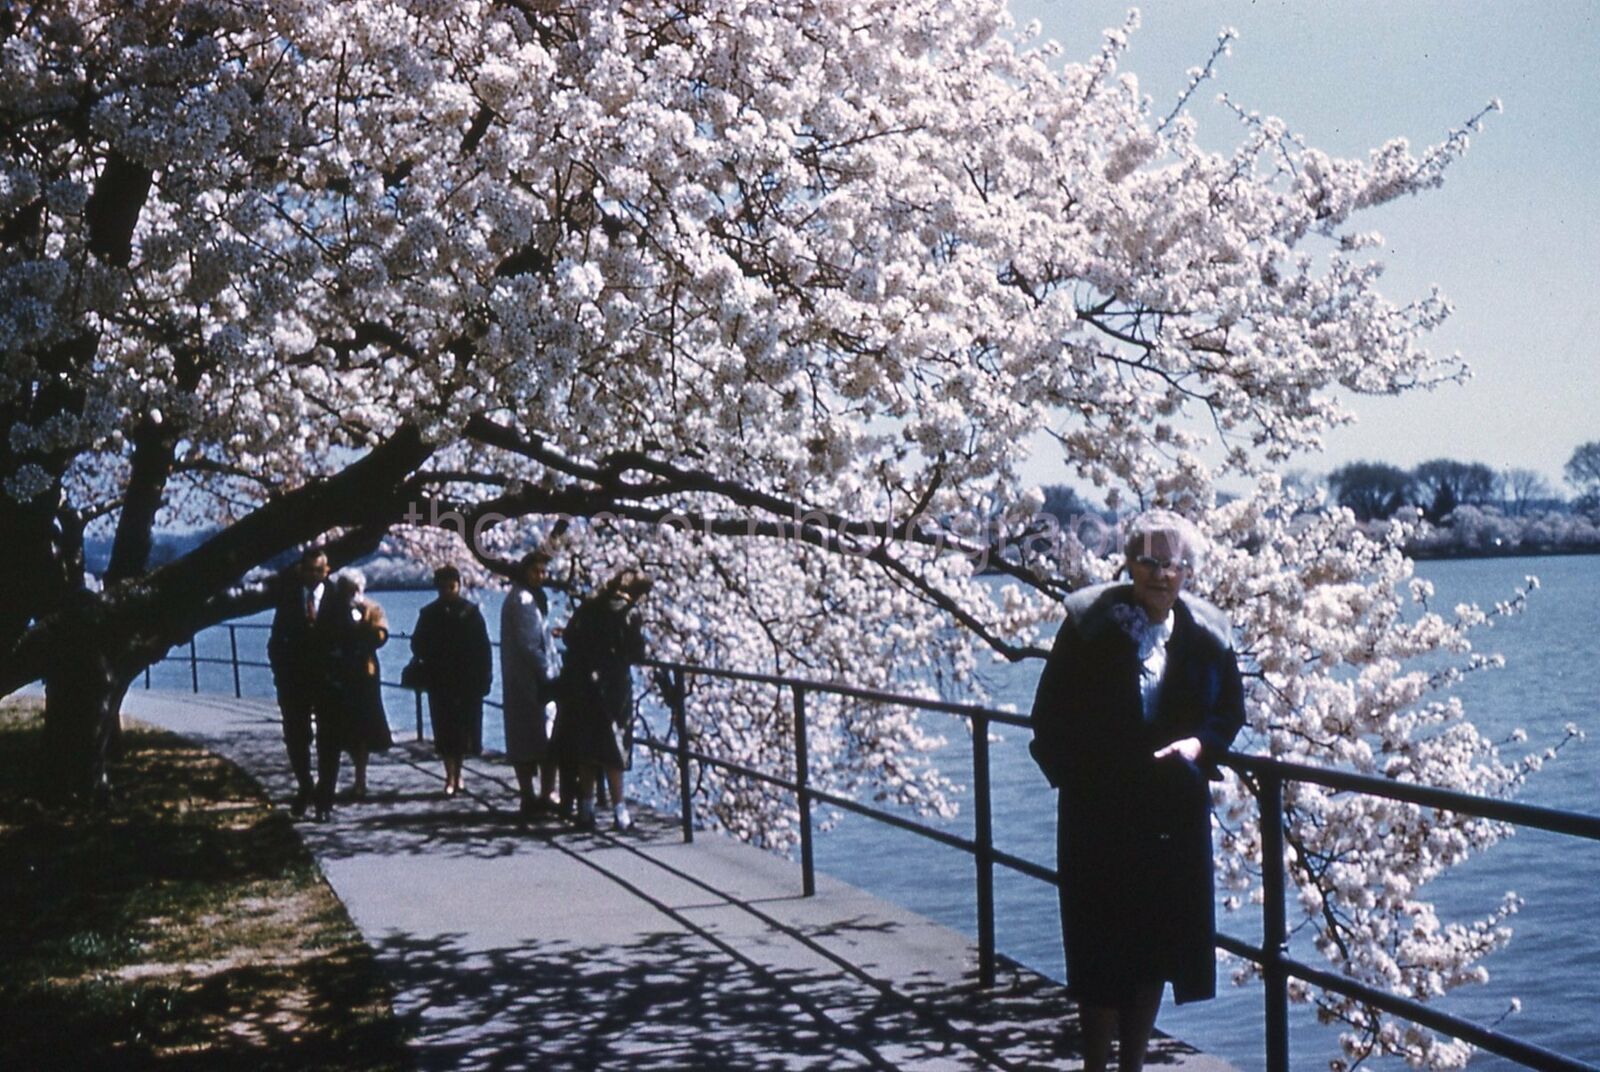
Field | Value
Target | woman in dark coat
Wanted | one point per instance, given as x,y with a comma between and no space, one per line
363,629
350,716
450,645
594,704
1140,696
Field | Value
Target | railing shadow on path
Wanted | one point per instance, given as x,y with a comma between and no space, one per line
515,946
1264,776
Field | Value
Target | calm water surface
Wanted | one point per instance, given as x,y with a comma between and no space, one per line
1552,677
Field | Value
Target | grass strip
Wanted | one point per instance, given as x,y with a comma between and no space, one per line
183,927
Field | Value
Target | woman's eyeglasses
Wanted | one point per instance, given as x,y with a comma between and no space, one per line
1162,565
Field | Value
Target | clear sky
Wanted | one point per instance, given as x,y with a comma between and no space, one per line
1513,236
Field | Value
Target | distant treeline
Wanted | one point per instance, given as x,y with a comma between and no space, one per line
1464,509
1469,509
1470,531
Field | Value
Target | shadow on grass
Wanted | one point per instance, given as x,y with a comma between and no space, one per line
185,926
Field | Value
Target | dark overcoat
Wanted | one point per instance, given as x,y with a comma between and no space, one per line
1134,833
361,630
594,701
451,644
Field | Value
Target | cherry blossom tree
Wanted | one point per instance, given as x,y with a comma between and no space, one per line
767,298
1312,589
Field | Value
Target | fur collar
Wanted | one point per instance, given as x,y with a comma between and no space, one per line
1089,610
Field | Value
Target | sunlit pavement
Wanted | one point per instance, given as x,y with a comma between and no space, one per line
513,945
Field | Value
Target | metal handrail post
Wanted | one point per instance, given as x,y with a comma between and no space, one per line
983,835
233,648
802,781
678,685
1274,928
194,665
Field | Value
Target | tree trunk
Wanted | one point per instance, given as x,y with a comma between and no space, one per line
86,676
82,726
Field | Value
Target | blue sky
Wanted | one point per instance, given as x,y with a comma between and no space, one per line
1513,236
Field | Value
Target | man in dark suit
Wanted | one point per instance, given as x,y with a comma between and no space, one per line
297,653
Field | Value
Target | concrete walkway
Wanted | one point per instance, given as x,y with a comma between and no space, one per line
540,947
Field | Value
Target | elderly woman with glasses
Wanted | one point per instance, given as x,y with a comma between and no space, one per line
1140,697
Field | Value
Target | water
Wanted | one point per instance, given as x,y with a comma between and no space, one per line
400,607
1551,678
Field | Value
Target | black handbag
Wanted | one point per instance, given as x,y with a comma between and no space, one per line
414,675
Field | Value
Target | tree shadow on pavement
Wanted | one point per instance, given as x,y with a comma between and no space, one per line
665,1002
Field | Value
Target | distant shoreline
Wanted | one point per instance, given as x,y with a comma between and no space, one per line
1430,555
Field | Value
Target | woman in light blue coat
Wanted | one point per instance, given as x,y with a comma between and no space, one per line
527,669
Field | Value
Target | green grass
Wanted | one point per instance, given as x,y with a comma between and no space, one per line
184,927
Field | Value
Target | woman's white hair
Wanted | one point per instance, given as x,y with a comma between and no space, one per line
355,577
1178,529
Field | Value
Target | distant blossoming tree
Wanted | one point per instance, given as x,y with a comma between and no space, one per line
769,298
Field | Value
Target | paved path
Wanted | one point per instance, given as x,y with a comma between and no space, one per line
539,947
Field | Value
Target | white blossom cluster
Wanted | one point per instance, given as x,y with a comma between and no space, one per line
849,256
1351,669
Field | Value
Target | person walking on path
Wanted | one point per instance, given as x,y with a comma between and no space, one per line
1140,697
450,645
527,670
594,720
297,653
335,719
363,629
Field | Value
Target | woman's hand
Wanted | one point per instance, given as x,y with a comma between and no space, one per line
1188,748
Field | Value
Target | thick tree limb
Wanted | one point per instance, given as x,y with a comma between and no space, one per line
594,504
154,445
157,610
113,209
611,472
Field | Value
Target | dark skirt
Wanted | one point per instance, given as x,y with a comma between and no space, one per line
1136,887
351,717
370,725
584,735
457,723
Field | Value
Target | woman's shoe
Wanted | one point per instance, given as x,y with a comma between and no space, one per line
620,818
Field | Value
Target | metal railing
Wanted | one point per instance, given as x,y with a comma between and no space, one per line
196,661
1266,778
